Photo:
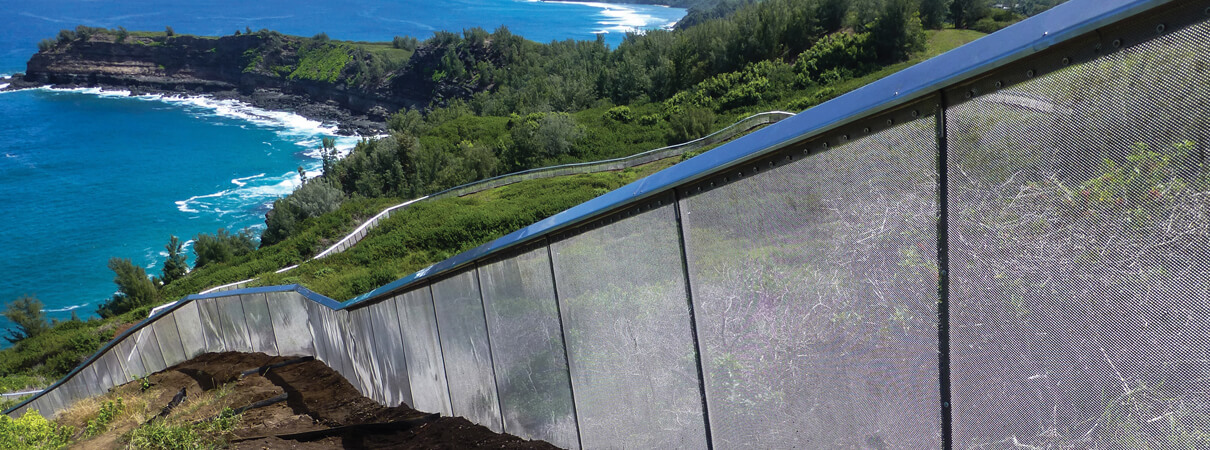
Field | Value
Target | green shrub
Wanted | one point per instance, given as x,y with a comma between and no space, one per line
690,124
221,246
31,431
843,54
620,114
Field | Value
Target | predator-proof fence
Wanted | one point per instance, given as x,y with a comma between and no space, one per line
1005,247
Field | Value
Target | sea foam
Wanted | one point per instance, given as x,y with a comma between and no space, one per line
69,308
253,190
621,18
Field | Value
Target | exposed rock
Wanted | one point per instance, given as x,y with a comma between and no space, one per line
230,67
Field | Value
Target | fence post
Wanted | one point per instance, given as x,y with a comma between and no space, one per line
697,348
554,284
943,277
487,332
449,395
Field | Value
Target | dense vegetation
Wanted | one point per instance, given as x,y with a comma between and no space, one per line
500,103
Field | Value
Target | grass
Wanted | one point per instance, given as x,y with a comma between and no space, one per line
124,416
322,62
429,232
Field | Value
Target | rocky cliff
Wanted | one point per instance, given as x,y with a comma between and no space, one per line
353,84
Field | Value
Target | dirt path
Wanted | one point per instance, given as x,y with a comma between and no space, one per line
322,409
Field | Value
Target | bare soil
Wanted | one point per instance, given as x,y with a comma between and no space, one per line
322,409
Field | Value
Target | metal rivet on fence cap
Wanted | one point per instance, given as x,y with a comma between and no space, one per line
1117,43
969,94
1029,73
1066,61
890,121
1207,11
845,137
915,113
865,130
999,84
1160,28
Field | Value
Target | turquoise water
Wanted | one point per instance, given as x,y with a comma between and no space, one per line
85,175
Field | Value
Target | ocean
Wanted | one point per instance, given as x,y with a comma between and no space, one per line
87,175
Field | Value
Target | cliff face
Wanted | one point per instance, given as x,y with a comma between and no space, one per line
266,69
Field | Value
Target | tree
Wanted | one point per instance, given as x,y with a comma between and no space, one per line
897,31
321,37
134,289
121,35
690,124
168,32
175,266
965,13
328,154
26,313
221,246
316,198
933,13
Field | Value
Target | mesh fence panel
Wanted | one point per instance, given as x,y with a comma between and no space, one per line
291,331
389,359
92,380
358,332
208,315
464,345
128,356
169,339
527,348
426,370
232,324
626,316
815,289
189,326
1080,249
260,324
148,349
328,342
106,376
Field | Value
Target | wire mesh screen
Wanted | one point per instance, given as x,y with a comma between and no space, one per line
815,288
291,332
208,317
358,331
1080,246
149,350
260,325
128,357
527,348
169,339
464,344
426,370
232,324
189,326
389,358
633,368
329,346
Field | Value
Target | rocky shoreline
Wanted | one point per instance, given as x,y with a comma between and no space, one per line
328,112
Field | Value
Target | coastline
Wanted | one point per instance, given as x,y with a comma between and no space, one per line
344,122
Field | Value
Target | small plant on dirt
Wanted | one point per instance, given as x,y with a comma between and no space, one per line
100,424
225,422
162,435
144,384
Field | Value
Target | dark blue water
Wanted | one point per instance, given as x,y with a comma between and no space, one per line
85,176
